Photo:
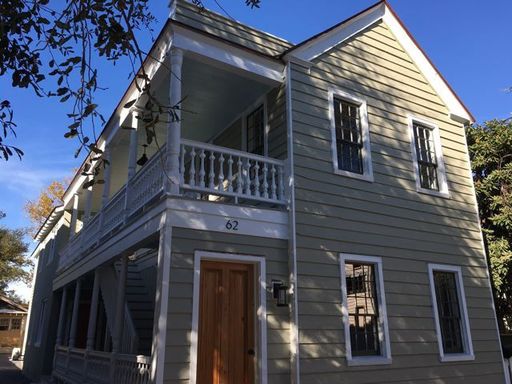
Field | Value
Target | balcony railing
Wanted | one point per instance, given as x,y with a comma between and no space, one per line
73,365
205,172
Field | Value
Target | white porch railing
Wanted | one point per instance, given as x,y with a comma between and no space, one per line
205,172
75,365
221,171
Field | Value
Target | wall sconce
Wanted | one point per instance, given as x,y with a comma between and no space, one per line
144,158
280,293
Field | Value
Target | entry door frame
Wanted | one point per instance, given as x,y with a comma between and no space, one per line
260,308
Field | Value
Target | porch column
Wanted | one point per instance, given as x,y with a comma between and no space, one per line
93,312
174,128
107,155
74,216
120,303
74,316
62,314
88,201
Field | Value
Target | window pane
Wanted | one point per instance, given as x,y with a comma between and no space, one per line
4,324
363,311
15,323
448,309
426,156
348,136
256,131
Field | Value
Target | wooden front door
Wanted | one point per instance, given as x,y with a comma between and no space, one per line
226,351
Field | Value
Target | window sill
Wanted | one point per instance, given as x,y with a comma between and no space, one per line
456,357
370,360
443,194
364,177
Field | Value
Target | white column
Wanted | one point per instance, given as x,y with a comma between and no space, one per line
107,155
74,216
62,314
93,312
88,201
174,128
120,303
74,316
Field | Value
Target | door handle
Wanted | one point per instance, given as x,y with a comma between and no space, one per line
251,352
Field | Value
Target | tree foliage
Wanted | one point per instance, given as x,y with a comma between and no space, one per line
51,47
40,208
14,263
490,148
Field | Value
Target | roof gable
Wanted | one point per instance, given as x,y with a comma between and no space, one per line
325,41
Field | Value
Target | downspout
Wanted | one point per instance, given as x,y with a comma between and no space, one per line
292,239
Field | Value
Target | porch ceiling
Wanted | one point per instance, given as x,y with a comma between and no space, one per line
214,97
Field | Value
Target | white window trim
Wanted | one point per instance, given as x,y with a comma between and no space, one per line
367,174
385,358
466,332
261,310
441,170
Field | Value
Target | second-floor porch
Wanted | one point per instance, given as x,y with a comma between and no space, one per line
226,144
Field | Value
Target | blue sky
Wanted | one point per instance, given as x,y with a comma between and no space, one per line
468,40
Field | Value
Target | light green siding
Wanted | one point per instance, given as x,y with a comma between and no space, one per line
386,218
179,320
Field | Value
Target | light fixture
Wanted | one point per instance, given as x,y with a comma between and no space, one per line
280,293
144,158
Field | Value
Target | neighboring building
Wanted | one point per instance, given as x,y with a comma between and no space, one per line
12,324
309,217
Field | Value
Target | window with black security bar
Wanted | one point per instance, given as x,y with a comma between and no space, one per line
349,141
363,311
426,156
256,131
448,310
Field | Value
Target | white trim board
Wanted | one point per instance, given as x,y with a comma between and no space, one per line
385,357
466,332
325,42
261,311
208,48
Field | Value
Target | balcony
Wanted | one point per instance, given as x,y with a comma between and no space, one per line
206,172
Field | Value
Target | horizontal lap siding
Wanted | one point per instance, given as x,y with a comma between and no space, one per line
179,321
230,30
386,218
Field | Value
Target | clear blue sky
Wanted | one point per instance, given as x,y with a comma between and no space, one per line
468,40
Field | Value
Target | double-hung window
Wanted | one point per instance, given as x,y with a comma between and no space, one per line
364,309
427,157
350,135
449,304
255,123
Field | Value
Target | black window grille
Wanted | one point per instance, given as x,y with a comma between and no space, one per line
256,131
4,324
363,310
15,324
349,141
426,156
448,310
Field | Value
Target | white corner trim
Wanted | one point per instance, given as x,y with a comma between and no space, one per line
385,357
224,53
466,332
367,174
441,170
261,311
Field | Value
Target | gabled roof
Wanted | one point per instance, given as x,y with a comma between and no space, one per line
317,45
10,305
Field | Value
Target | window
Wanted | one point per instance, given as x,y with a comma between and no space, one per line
350,136
364,309
448,299
4,324
15,324
427,157
256,131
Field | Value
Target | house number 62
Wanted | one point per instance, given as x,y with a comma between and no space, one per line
232,225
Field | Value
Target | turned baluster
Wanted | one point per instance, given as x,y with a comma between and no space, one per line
257,178
239,178
211,176
230,174
192,170
221,172
182,164
281,182
202,172
265,181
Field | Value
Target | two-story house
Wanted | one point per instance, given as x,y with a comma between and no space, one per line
308,216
